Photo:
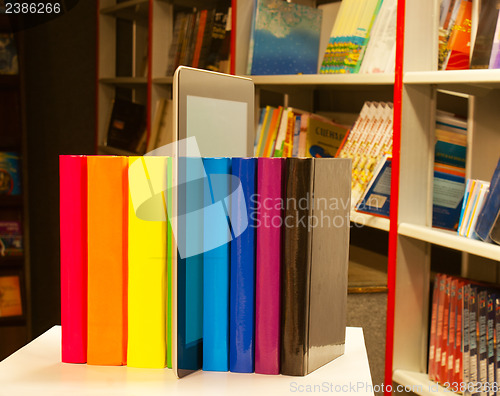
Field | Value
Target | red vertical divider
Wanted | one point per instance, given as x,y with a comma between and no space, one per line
393,231
232,59
150,74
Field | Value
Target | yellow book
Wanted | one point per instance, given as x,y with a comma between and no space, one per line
147,263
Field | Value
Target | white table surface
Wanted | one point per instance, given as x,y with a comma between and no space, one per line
36,369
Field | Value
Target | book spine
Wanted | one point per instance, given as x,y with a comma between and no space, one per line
296,269
465,335
432,337
483,345
268,266
73,223
443,362
107,260
490,341
242,305
147,251
491,207
216,258
473,335
457,370
433,371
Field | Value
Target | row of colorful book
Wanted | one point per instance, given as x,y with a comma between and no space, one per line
480,213
273,260
468,39
202,39
465,328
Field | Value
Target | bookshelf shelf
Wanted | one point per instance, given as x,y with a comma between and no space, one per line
321,80
163,80
477,82
450,240
419,383
366,220
132,10
126,82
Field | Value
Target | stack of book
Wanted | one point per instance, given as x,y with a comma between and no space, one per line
273,284
363,38
202,39
468,39
480,214
449,170
465,324
290,132
369,145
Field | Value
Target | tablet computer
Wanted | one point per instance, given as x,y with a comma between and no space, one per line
218,111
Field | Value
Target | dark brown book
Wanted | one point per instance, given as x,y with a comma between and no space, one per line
127,126
495,230
315,260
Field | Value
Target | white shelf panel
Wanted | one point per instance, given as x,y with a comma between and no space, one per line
324,79
132,9
419,383
131,82
450,240
466,81
367,220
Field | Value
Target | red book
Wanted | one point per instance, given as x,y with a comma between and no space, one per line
73,229
457,370
268,265
443,363
432,336
452,330
433,370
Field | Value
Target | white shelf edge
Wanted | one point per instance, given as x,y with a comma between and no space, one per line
418,383
451,240
367,220
324,79
465,77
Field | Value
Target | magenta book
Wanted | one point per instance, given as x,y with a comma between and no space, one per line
268,265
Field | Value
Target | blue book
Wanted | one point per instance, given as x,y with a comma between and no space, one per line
216,256
490,208
448,195
376,199
242,336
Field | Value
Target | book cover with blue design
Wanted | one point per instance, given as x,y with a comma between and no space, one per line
284,38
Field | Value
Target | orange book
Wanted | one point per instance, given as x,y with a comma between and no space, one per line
107,260
273,131
459,44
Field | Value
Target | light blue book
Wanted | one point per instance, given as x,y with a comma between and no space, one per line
216,232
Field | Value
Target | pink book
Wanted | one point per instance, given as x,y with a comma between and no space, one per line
73,224
268,265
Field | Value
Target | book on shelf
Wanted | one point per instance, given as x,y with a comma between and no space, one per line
315,256
291,132
127,126
146,269
10,173
350,36
11,238
380,52
369,144
495,230
8,54
457,41
284,38
202,39
467,324
475,193
483,44
491,207
74,251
